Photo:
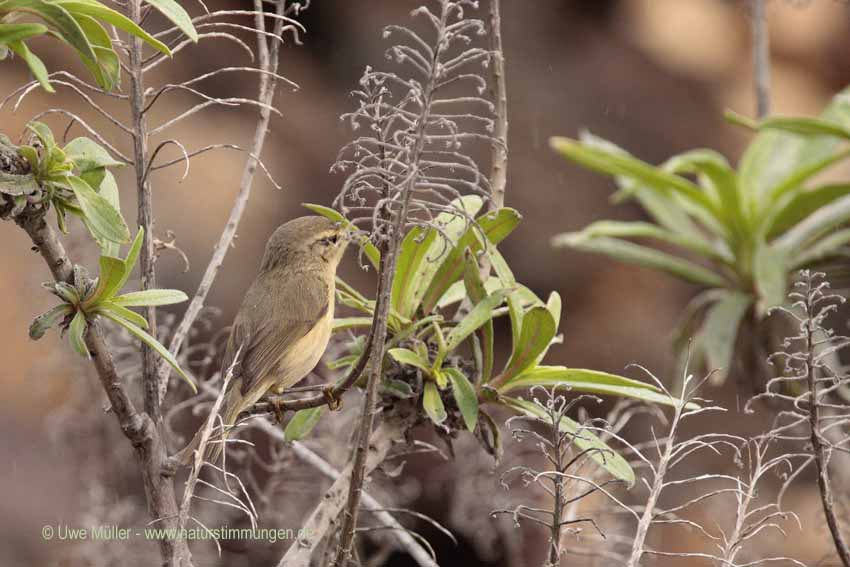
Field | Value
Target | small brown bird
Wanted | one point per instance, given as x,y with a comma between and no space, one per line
284,323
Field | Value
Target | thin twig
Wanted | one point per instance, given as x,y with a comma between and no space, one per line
761,57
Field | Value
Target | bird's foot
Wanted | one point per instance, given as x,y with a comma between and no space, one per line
333,402
277,409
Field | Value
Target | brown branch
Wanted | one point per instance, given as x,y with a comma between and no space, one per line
499,167
268,82
139,429
147,273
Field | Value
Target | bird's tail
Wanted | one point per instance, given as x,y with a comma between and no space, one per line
233,406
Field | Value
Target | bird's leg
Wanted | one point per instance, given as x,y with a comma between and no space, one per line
277,408
333,402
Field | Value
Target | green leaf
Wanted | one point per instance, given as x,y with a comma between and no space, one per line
369,249
106,222
39,71
720,329
413,252
538,330
107,68
631,253
477,292
151,298
478,316
153,344
410,358
76,334
345,323
178,16
112,17
58,17
616,163
800,205
88,154
465,396
721,180
119,311
11,184
452,227
771,275
132,257
804,126
45,321
640,229
826,248
109,281
495,225
588,382
109,191
584,439
433,404
815,225
17,32
302,423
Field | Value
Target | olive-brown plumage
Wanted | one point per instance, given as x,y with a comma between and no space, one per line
284,323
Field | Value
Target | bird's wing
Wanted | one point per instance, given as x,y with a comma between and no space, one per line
266,330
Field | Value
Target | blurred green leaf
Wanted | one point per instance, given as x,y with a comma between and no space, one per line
632,253
771,275
302,423
621,164
640,229
16,32
720,330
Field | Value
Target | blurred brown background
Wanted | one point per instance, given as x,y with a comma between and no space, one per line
652,75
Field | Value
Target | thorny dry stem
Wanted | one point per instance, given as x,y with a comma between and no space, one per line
410,168
813,416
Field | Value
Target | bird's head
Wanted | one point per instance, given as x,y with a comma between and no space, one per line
306,241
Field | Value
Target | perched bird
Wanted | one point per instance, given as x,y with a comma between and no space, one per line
284,323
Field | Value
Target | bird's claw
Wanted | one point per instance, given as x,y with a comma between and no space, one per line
277,409
333,402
